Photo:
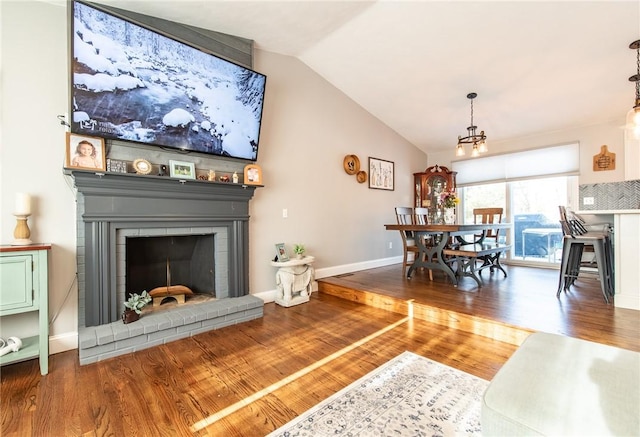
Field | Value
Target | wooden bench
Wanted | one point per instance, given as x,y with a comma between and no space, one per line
466,257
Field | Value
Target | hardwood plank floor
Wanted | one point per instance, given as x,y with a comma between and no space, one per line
526,299
249,379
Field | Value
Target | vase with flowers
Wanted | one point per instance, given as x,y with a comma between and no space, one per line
448,202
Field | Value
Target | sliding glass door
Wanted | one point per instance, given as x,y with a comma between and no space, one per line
532,207
537,235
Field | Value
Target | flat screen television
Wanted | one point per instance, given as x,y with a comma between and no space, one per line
133,83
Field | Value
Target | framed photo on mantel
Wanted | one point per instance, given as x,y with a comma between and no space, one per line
381,174
85,152
183,170
252,174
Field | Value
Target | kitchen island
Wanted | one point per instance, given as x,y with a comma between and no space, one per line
626,252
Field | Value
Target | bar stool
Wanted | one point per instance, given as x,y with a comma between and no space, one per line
575,238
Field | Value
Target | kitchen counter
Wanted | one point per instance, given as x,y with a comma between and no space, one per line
609,211
626,252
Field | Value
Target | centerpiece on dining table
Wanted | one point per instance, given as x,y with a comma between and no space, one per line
448,202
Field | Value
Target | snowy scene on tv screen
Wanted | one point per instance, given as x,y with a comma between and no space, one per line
133,84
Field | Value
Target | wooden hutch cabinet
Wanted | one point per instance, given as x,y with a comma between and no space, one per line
429,184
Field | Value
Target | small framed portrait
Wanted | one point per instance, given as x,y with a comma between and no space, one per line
381,175
182,170
281,253
252,174
86,153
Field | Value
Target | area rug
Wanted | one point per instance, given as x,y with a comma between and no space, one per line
407,396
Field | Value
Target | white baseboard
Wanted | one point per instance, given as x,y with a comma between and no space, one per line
356,267
63,342
626,301
270,295
68,341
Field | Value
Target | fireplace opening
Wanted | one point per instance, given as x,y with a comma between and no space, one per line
177,261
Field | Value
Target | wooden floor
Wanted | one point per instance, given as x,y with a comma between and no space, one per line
249,379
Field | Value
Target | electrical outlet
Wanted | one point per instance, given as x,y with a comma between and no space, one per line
587,201
285,213
390,245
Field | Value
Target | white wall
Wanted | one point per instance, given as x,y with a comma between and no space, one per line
309,126
34,90
591,139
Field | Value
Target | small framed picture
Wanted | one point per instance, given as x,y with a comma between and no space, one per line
182,170
252,175
116,166
381,174
86,153
281,253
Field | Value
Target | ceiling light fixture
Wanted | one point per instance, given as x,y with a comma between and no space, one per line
633,116
478,141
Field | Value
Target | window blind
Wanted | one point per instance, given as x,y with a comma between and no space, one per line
528,164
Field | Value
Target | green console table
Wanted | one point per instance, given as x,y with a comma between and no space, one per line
24,285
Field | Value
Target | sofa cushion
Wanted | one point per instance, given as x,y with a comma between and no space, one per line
556,385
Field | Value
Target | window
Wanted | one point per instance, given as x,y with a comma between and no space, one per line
529,185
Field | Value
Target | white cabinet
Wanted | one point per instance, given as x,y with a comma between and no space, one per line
626,254
24,286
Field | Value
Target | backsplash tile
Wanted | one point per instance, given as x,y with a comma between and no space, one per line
612,195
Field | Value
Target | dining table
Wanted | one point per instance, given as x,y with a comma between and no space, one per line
441,236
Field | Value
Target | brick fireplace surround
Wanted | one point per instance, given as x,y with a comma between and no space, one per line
112,206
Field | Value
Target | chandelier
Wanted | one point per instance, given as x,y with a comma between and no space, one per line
478,141
633,116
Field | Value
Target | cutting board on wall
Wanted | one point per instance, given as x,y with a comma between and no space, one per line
604,160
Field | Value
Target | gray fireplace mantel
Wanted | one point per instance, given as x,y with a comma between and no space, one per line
108,202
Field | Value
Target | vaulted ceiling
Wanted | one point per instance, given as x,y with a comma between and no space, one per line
537,66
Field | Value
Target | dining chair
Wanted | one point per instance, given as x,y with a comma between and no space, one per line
577,239
404,216
408,216
488,215
421,217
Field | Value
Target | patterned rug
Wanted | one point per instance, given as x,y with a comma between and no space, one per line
407,396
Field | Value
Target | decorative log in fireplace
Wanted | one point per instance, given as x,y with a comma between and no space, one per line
179,292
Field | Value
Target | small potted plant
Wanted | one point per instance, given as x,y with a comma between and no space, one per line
299,250
134,306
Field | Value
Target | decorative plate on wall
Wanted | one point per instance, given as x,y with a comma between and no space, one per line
351,164
142,166
361,176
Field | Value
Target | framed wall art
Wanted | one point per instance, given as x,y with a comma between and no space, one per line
182,170
86,153
381,174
